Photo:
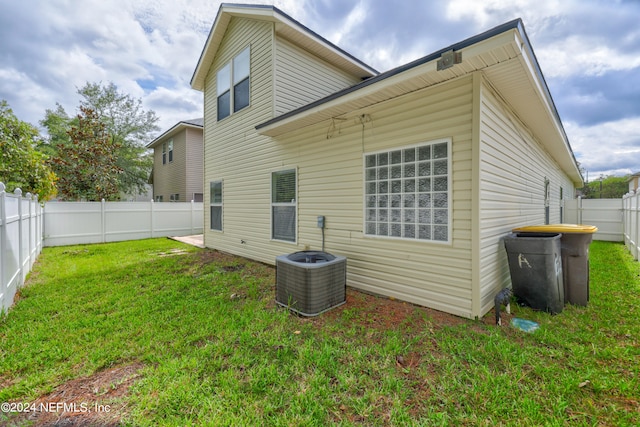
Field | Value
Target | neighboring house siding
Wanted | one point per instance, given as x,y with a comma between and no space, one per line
301,78
194,166
512,188
170,178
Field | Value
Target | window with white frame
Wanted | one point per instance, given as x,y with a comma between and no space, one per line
283,205
170,150
215,203
407,192
164,153
233,84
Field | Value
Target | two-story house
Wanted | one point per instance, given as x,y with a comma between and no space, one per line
419,172
177,163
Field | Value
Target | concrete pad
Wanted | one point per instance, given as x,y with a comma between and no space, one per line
195,240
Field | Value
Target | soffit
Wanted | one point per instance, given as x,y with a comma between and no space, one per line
285,27
506,63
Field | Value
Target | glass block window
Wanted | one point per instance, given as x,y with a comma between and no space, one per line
283,205
407,192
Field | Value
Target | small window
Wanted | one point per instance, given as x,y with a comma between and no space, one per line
241,80
158,198
174,197
233,84
164,153
171,151
215,202
224,91
283,205
197,197
408,192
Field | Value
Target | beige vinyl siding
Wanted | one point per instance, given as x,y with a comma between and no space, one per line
170,178
330,183
236,154
301,78
194,164
513,170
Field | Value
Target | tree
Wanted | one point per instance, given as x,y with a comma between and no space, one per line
88,170
127,123
21,165
610,187
58,124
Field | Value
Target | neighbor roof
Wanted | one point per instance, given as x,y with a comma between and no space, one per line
183,124
505,56
286,27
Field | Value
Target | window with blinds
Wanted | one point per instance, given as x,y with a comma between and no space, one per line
215,205
408,192
283,205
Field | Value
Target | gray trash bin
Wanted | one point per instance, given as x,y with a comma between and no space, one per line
575,242
535,265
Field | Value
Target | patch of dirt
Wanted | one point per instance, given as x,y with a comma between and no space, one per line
90,401
382,313
173,252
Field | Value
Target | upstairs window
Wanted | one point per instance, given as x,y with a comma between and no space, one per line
164,153
408,192
171,151
233,85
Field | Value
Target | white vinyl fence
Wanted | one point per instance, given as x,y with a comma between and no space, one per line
68,223
606,214
20,241
631,222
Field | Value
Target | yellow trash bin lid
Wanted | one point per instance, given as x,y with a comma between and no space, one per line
557,228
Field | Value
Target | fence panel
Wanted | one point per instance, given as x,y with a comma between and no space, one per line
20,241
631,222
68,223
606,214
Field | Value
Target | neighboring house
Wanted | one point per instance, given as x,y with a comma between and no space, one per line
141,196
419,171
177,163
634,182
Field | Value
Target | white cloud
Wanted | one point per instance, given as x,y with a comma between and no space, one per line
488,13
355,18
608,148
571,57
149,49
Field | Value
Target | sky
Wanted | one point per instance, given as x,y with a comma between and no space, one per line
588,50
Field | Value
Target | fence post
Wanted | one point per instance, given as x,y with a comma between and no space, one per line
191,216
579,209
3,243
636,200
38,226
103,220
152,213
31,231
18,192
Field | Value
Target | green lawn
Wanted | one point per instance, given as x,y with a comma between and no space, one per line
155,332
